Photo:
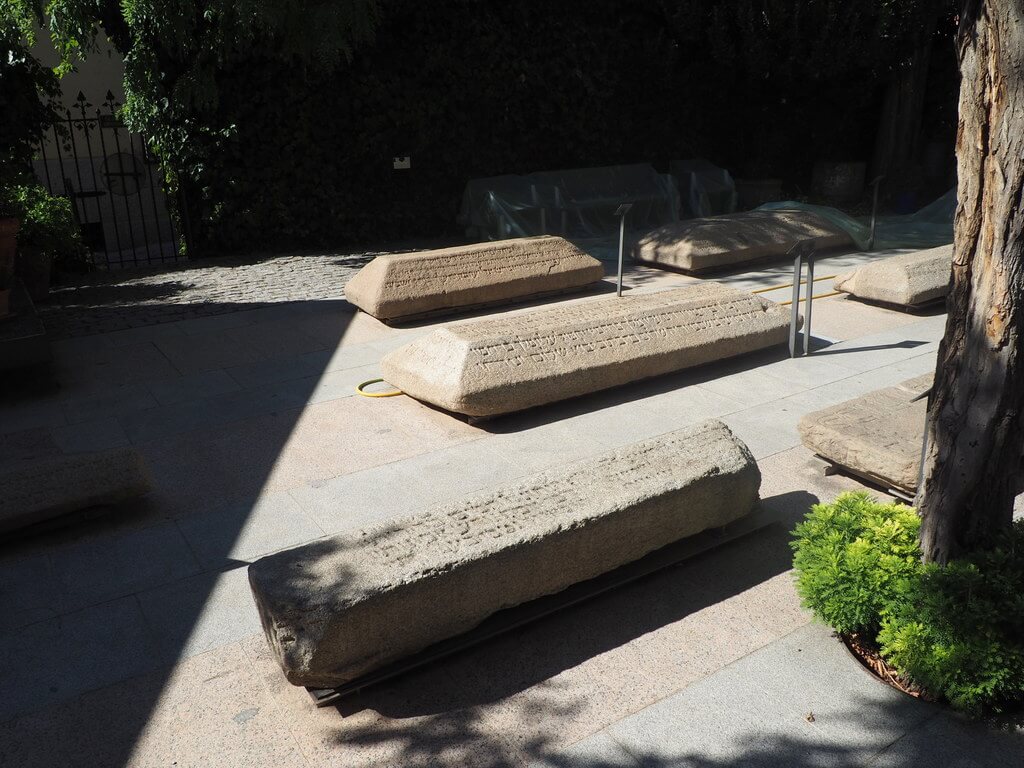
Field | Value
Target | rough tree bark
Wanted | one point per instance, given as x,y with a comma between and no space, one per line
975,460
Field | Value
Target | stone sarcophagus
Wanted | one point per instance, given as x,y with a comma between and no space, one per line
336,609
41,487
720,242
907,279
877,436
500,365
404,286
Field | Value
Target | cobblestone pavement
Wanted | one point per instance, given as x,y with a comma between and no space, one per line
114,301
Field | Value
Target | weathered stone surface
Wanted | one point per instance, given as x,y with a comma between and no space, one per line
907,279
38,488
500,365
716,242
400,285
338,608
878,435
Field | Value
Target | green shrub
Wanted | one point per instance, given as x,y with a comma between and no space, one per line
959,629
278,120
48,226
853,559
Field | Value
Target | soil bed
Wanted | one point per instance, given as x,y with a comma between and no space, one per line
867,652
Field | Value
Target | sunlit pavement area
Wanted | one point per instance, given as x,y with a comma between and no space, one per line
133,640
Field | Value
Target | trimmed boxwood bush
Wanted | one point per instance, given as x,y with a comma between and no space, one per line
957,631
852,559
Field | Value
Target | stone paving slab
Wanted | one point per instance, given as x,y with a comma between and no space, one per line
211,705
60,658
800,701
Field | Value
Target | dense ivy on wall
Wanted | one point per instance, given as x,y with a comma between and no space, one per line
279,121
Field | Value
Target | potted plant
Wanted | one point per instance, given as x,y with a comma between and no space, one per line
49,234
9,226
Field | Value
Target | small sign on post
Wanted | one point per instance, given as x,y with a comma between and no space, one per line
621,212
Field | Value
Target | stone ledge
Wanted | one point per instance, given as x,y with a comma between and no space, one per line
339,608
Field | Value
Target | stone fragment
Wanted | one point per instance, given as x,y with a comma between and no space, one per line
338,608
43,487
399,286
499,365
907,279
877,436
717,242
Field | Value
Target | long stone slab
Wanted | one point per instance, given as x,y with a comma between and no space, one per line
500,365
398,286
877,436
907,279
44,487
336,609
718,242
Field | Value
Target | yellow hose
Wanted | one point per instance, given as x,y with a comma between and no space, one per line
790,285
359,390
822,296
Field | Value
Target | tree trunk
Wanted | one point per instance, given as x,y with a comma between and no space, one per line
975,460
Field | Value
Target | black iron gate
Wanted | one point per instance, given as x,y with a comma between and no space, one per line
113,182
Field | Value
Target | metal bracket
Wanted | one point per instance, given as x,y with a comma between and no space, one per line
801,253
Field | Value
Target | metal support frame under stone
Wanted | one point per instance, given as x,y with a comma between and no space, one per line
801,253
829,468
520,615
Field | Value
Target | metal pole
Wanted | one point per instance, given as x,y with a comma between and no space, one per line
795,316
621,212
874,211
622,238
810,297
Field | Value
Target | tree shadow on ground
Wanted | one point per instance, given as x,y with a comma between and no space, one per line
894,733
909,344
